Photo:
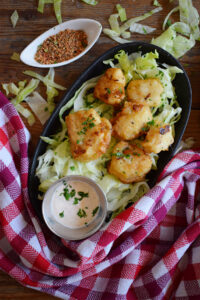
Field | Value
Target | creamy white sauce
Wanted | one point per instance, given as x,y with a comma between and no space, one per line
81,207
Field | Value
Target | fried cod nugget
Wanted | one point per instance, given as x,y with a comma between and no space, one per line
145,91
110,87
129,163
129,122
89,134
158,139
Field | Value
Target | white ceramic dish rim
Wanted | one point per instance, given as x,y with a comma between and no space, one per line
70,233
27,55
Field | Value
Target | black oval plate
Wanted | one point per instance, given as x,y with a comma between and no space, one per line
184,97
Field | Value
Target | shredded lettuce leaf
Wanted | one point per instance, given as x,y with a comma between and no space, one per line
172,39
131,21
115,36
56,5
45,79
10,88
27,114
140,28
31,86
114,24
126,35
39,106
190,16
14,18
122,12
175,9
156,3
15,56
119,33
182,28
42,3
26,92
90,2
57,10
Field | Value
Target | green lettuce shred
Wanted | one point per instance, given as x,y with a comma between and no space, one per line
122,12
90,2
14,18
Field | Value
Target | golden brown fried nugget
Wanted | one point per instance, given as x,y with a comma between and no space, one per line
158,139
129,163
89,134
145,91
129,122
110,87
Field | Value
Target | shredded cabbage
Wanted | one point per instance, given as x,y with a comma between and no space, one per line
56,5
114,24
91,2
31,86
47,80
57,10
131,21
39,106
122,12
156,3
140,28
117,31
27,114
175,9
15,56
14,18
190,16
42,3
175,43
58,162
115,36
10,88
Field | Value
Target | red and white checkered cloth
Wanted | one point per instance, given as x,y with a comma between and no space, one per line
149,251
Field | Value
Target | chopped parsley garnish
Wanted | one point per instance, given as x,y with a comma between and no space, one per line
78,141
151,123
108,90
81,213
146,128
75,201
136,154
88,123
144,29
83,195
61,214
120,155
95,211
68,194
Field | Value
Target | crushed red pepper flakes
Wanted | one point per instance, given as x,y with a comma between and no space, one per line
61,47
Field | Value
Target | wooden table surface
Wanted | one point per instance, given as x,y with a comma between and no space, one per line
32,23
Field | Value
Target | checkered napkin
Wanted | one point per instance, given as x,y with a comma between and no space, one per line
149,251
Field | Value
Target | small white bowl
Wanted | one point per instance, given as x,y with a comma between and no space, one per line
91,27
63,231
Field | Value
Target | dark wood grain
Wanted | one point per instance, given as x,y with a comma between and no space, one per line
32,23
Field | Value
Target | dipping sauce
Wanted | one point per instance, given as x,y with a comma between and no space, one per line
74,204
61,47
